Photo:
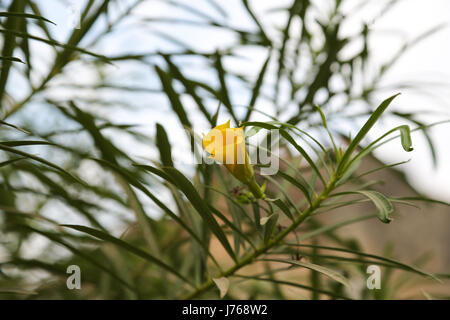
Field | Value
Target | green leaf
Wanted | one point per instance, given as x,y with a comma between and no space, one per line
334,226
325,124
9,43
223,92
39,159
8,162
200,205
423,199
13,126
291,140
231,225
168,178
13,59
324,270
280,204
132,249
136,183
256,89
163,144
55,43
25,15
368,255
172,95
384,206
300,183
17,291
216,115
363,132
82,254
269,226
295,285
190,87
405,137
19,143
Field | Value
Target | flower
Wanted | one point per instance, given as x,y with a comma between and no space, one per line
227,145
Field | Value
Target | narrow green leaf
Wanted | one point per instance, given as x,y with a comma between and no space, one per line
39,159
200,205
334,226
300,183
9,43
56,43
368,255
324,270
25,15
20,143
190,87
291,140
280,204
269,226
423,199
83,255
135,182
17,291
223,92
8,162
163,144
256,89
384,206
216,115
13,59
132,249
231,225
363,132
405,137
294,284
172,95
13,126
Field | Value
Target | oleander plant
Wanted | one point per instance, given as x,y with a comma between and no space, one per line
129,168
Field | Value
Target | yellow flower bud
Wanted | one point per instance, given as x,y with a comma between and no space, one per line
227,145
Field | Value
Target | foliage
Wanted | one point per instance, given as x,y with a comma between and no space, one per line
144,229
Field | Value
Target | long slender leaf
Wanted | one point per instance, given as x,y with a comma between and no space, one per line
129,248
326,271
202,208
363,132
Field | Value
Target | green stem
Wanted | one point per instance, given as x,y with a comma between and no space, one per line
251,257
256,189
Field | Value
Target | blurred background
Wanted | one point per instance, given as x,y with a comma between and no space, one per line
121,67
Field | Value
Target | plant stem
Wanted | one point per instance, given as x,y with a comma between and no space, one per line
256,189
251,257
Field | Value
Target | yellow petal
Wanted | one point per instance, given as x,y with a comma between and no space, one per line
223,126
227,145
215,136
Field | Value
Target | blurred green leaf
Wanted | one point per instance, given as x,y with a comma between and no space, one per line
129,248
163,144
323,270
202,208
382,203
